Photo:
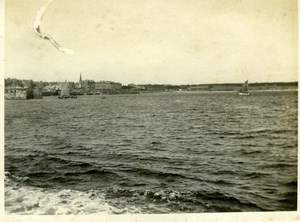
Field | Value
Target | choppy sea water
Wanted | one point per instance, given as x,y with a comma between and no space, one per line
152,153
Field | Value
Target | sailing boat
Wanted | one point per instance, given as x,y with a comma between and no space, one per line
65,92
244,90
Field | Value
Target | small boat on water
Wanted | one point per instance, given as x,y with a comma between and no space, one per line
244,90
67,97
65,92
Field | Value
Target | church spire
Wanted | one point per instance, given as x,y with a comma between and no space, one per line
80,79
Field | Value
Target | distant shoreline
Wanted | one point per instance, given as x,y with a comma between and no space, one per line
227,91
91,87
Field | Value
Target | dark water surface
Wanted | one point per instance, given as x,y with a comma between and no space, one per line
152,153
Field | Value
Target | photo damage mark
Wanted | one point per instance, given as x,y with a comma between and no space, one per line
37,25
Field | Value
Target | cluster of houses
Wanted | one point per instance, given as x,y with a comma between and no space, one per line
82,87
22,89
91,87
27,89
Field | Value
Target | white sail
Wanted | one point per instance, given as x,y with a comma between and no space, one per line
65,90
244,89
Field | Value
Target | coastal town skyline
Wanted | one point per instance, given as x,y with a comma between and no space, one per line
16,89
142,83
152,43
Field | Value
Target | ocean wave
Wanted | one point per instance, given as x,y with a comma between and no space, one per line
57,162
293,183
268,130
80,164
20,199
41,174
154,173
222,182
95,172
246,136
251,151
12,178
254,175
279,165
26,200
179,201
251,134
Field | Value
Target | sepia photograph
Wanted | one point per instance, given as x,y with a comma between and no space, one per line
150,107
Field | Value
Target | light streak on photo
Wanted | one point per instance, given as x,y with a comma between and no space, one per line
37,29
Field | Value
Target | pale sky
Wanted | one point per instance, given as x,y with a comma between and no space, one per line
154,41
